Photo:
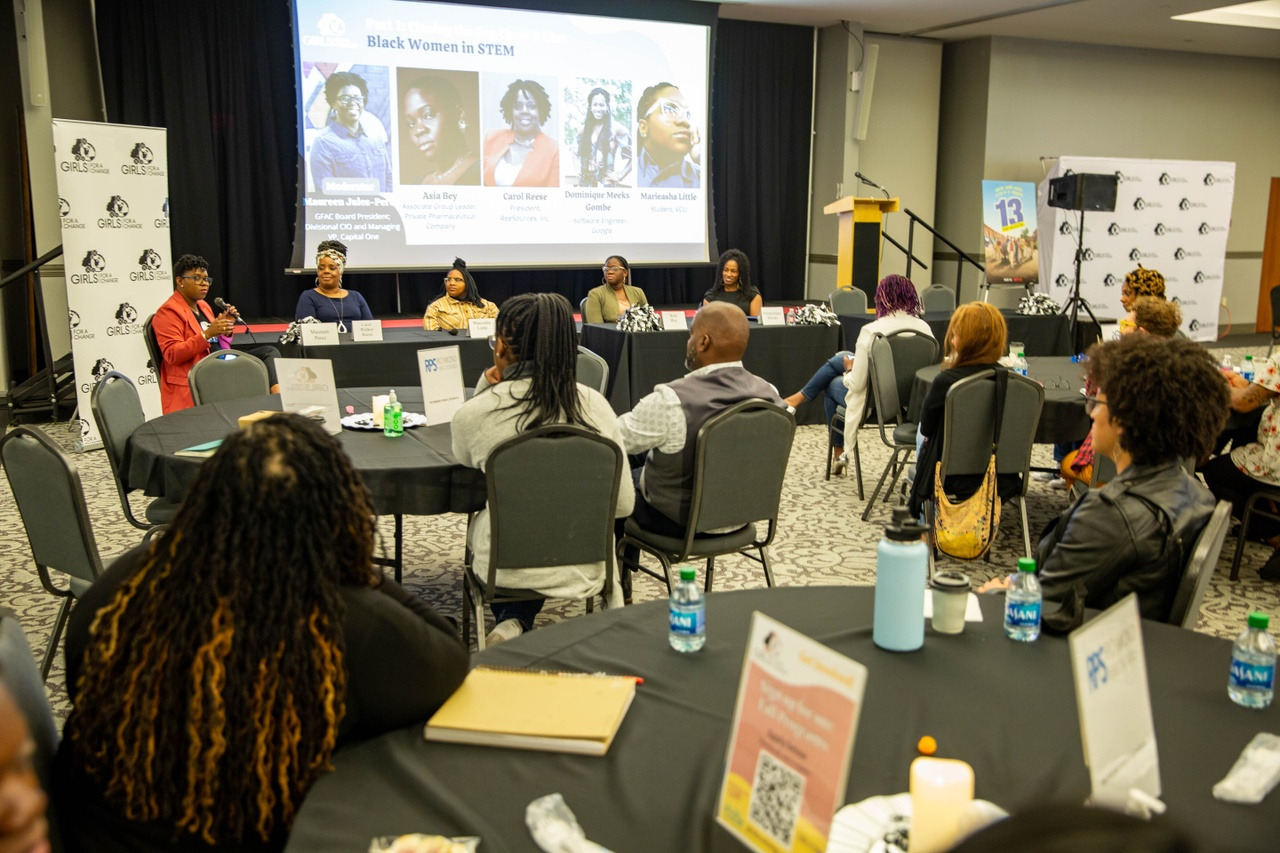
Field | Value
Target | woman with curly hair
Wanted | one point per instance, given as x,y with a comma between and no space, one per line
1157,404
522,155
1141,282
843,378
215,671
733,284
459,302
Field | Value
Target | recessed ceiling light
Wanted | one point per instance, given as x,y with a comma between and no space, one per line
1264,14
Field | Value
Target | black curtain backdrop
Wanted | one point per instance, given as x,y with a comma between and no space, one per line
220,77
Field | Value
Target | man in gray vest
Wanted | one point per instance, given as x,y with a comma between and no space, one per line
666,422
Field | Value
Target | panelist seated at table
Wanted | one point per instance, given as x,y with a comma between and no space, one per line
186,330
616,293
214,672
1156,402
733,284
665,423
842,379
459,303
329,301
533,383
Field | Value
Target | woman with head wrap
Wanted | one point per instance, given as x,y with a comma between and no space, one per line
328,301
459,302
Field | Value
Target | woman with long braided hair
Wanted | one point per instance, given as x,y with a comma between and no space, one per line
214,671
533,382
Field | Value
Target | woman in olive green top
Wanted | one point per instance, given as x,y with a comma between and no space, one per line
606,303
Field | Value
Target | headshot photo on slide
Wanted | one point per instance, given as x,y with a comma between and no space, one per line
439,136
670,140
597,133
520,150
346,113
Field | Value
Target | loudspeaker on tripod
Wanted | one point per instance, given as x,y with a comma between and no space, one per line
1084,191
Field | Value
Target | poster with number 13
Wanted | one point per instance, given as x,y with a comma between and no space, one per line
1009,237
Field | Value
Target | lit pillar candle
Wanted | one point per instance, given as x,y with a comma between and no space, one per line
940,790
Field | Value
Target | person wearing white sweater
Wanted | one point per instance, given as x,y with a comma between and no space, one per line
533,383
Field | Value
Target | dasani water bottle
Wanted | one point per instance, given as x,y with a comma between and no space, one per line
1253,665
687,612
1022,604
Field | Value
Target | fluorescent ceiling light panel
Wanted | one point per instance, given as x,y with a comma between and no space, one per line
1264,14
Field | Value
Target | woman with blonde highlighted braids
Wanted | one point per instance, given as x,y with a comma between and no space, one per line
214,672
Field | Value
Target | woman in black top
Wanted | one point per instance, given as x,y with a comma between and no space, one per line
215,671
733,284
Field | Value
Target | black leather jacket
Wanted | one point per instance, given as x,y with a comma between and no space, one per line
1132,535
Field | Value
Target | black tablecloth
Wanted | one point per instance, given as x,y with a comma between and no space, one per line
391,361
1062,419
1006,708
784,355
1041,335
414,474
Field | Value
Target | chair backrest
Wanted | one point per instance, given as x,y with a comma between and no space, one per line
938,298
21,674
153,345
740,461
593,370
969,425
228,375
552,495
911,351
848,301
1104,470
894,360
1200,566
117,410
582,308
46,486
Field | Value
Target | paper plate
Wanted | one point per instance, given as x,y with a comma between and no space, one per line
365,421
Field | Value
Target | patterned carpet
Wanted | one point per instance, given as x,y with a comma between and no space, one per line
821,541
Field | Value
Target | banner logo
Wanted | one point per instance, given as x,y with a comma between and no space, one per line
1124,179
117,208
83,155
1202,277
1194,325
149,263
95,270
118,215
94,261
1110,280
1139,204
126,321
142,157
141,154
74,318
101,368
1206,228
1065,228
64,209
1061,280
1159,229
78,333
332,31
83,151
84,427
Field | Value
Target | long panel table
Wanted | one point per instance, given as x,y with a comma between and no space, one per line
1041,335
784,355
1006,708
392,361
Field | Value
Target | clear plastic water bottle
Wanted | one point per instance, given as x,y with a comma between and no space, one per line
1246,369
1253,665
687,610
1227,366
1022,604
1020,364
392,417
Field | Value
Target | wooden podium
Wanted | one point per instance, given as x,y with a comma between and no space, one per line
858,246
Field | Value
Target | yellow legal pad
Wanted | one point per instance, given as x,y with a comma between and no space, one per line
524,709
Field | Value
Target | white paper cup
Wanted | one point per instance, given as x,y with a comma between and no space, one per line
379,400
950,599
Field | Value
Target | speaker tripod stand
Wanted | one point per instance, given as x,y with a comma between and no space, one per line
1077,302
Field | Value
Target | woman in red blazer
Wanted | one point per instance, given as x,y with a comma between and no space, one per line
184,327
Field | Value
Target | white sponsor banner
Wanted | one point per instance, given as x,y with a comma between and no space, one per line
1171,215
114,198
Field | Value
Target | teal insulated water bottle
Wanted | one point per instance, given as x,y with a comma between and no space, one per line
902,569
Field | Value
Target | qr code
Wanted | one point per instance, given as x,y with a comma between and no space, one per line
775,798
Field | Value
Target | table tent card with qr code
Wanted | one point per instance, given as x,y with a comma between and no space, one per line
307,387
440,372
787,763
1110,673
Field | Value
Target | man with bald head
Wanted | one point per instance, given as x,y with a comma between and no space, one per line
666,422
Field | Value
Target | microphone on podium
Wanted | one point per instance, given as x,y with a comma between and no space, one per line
871,183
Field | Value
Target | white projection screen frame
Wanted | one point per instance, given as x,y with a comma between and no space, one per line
435,164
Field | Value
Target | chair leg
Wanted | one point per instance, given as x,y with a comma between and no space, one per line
466,612
1244,528
857,461
711,570
893,462
52,650
768,570
830,449
478,604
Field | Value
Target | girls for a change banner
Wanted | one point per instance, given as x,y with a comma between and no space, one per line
1009,237
114,200
1171,215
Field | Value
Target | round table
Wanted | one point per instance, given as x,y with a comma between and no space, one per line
1062,419
1006,708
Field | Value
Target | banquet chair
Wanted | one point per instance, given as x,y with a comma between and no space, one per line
851,301
153,345
593,370
582,308
551,498
117,411
46,486
727,494
968,424
894,360
938,298
850,440
228,375
1268,496
1199,568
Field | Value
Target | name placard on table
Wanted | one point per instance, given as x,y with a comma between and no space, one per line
440,372
319,334
673,320
366,330
1114,702
482,327
307,387
772,316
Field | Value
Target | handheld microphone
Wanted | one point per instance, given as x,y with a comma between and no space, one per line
223,307
870,183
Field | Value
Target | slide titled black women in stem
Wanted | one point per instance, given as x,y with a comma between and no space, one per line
518,138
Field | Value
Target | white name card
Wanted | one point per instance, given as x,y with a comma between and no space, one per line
482,328
306,383
366,330
440,372
1110,671
772,316
673,320
319,334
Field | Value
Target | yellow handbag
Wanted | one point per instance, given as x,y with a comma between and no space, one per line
964,529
